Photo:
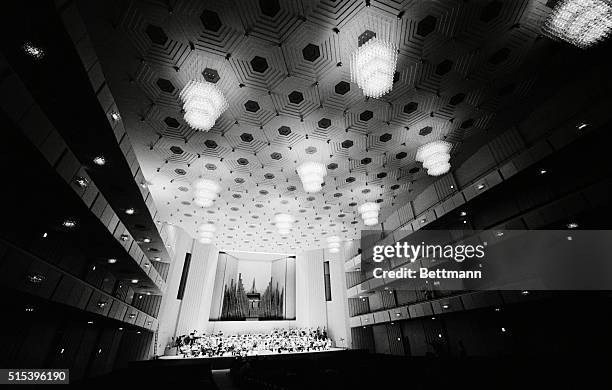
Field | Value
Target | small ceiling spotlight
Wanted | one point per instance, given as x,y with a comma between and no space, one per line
81,182
206,191
69,223
33,51
582,126
369,213
543,171
29,309
99,160
373,65
134,281
312,175
45,235
284,223
333,243
111,261
130,211
206,233
203,104
463,213
572,225
480,186
583,23
435,157
146,240
115,115
124,237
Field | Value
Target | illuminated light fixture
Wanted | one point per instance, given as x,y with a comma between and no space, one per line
582,126
111,261
45,235
206,233
134,281
203,103
205,192
33,51
146,240
124,237
81,182
69,223
583,23
29,309
373,65
99,160
369,213
312,174
130,211
572,225
35,278
435,157
284,223
90,322
115,116
333,243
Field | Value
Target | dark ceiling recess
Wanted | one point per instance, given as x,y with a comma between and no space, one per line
342,87
210,20
311,52
210,75
156,34
259,64
426,26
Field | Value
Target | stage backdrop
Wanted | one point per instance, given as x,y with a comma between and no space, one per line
254,288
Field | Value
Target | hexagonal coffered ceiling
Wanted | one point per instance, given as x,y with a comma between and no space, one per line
284,68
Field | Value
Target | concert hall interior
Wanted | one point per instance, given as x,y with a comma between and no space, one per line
193,191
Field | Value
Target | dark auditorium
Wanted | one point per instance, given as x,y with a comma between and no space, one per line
306,194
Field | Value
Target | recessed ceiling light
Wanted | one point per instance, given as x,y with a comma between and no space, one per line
99,160
112,261
29,309
90,322
44,235
499,234
146,240
115,116
463,213
572,225
69,223
124,237
480,186
33,51
130,211
81,182
524,292
582,126
134,281
120,328
543,171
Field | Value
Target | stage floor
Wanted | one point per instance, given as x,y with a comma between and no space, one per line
260,353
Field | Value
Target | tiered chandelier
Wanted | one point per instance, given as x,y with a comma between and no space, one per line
333,244
369,213
205,192
312,174
284,223
373,65
435,157
206,233
203,103
582,23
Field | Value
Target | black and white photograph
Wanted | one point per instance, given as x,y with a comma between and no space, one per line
306,194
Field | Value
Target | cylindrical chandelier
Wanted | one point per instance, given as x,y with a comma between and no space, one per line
333,244
206,233
582,23
373,67
312,174
203,103
369,213
435,157
206,191
284,223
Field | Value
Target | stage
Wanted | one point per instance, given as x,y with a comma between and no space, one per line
224,362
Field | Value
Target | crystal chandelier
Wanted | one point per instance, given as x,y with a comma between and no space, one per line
582,23
369,213
206,233
333,244
435,157
284,223
312,175
205,192
203,103
373,67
